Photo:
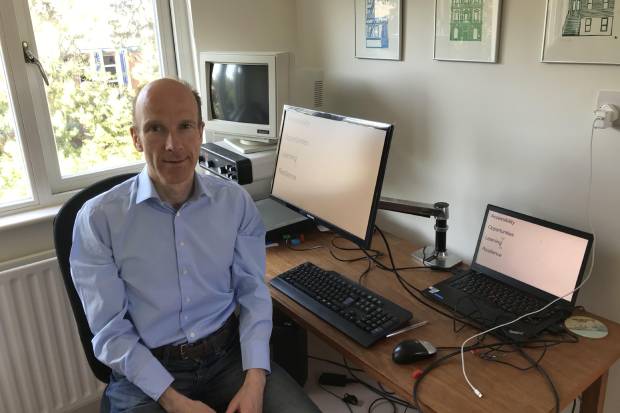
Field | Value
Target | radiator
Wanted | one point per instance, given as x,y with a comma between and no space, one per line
42,365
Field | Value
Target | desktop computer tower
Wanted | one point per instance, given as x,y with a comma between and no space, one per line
289,346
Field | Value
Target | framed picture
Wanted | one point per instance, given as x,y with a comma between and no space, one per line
467,30
378,29
582,31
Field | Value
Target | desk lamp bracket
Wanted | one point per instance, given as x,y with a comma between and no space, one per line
439,257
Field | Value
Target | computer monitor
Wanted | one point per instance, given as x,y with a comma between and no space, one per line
243,94
330,168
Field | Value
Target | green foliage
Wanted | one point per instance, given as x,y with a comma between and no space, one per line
90,113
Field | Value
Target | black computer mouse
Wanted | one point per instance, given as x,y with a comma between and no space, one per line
410,351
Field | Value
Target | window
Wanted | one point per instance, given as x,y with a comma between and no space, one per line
605,4
96,54
14,181
604,24
588,24
589,4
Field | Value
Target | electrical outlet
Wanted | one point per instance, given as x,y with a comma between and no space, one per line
609,97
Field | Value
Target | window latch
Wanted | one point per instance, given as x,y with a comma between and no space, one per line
29,57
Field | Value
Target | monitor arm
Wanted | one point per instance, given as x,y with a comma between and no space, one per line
439,258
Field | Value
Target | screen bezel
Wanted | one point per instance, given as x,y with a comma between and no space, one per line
387,128
518,284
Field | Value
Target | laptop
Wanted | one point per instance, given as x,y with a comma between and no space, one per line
520,265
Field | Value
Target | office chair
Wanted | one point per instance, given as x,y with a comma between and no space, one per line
63,239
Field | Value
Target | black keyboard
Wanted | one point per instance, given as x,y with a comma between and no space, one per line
359,313
501,295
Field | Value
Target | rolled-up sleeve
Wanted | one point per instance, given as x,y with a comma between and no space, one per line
251,292
116,342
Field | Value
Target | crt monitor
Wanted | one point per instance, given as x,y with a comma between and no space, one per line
243,94
330,168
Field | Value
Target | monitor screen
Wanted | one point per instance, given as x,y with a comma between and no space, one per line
541,254
330,168
240,93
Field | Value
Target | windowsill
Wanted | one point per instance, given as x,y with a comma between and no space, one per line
28,217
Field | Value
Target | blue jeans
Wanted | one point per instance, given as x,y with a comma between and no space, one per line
214,380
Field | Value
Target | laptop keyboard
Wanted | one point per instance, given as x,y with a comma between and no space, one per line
503,296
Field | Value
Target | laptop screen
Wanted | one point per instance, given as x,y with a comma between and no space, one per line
547,256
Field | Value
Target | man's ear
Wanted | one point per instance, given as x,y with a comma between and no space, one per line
137,143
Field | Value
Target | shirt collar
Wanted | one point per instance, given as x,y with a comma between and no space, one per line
146,189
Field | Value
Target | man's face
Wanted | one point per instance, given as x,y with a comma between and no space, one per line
167,130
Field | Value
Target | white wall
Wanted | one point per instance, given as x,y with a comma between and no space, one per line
515,133
244,25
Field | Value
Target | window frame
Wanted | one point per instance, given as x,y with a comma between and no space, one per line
29,100
604,24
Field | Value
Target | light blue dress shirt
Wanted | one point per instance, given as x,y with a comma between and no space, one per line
149,275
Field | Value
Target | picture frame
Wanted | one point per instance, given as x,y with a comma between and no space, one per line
581,31
378,29
467,30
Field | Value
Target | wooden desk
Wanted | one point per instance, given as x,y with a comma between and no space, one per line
574,368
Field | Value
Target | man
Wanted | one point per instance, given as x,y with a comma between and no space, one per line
161,262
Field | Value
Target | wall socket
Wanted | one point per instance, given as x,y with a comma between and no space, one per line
610,97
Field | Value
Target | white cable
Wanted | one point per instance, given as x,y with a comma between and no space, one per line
474,389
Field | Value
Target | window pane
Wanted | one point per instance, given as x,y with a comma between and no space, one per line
96,53
14,182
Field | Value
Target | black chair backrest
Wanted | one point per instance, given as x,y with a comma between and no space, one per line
63,239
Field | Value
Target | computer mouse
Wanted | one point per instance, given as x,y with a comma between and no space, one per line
410,351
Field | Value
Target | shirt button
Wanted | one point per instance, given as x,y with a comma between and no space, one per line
184,272
178,214
188,299
185,317
192,335
181,243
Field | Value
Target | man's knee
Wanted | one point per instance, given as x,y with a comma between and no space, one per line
123,396
283,394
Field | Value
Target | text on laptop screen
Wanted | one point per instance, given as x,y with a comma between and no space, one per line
545,258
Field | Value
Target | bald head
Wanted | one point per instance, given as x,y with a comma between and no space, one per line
146,92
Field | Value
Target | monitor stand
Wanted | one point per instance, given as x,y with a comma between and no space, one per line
430,257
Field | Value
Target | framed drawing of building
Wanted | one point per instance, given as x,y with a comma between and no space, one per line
467,30
582,31
378,29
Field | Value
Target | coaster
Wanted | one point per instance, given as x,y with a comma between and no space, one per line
586,326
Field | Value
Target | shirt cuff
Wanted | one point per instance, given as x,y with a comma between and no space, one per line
255,355
153,379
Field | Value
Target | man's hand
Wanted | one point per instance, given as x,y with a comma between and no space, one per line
249,398
174,402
